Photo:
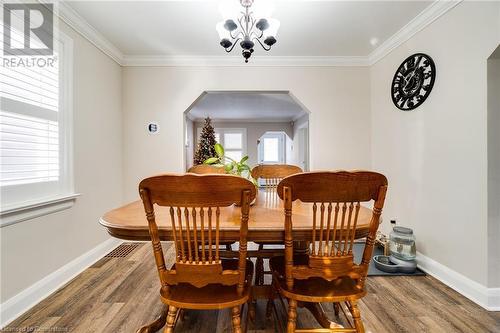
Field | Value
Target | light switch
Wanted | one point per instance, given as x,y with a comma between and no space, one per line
153,128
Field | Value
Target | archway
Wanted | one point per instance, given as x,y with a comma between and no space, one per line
251,114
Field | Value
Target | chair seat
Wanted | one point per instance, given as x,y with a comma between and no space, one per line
212,296
314,289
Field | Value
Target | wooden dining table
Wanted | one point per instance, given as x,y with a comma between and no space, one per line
266,224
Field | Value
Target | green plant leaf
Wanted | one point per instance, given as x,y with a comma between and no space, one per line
254,181
228,167
219,150
211,160
244,159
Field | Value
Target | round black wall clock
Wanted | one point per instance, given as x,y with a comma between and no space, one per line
413,81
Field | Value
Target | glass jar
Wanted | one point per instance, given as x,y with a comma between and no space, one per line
402,243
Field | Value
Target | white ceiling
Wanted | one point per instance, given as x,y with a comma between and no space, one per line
308,28
246,106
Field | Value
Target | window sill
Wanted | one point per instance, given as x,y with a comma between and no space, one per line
30,210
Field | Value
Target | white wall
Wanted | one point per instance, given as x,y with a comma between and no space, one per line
191,142
435,157
32,249
302,122
254,131
338,115
494,171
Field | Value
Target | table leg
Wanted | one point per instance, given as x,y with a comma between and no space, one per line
319,314
156,324
251,309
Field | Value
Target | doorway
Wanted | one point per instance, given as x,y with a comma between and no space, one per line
303,148
271,148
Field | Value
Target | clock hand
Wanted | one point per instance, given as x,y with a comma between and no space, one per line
412,74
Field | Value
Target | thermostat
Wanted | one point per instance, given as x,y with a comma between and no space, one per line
153,128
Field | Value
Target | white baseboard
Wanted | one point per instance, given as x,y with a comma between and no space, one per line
20,303
488,298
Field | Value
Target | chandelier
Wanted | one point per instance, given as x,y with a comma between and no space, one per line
247,26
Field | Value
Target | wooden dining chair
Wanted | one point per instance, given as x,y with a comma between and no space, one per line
203,169
271,174
199,279
328,273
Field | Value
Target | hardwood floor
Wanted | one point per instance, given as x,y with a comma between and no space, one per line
121,294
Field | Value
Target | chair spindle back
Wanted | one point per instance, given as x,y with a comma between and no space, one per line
336,200
195,203
274,173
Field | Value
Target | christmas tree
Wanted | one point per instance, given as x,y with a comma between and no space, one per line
206,144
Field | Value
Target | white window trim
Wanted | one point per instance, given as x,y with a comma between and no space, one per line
27,211
23,211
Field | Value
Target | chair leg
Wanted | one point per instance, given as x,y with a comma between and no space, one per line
269,308
358,323
336,309
273,294
252,304
236,319
181,314
292,316
247,316
171,319
259,269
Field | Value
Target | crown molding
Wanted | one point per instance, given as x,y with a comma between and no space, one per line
256,61
422,20
418,23
80,25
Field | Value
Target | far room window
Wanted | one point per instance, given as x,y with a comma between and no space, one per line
35,129
233,140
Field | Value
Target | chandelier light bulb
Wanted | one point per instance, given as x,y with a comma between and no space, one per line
222,31
262,24
230,25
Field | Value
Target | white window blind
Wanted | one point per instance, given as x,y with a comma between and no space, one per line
34,126
29,126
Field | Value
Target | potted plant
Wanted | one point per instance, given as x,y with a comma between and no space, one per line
231,166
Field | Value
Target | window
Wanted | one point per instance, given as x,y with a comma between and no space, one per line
232,139
35,132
